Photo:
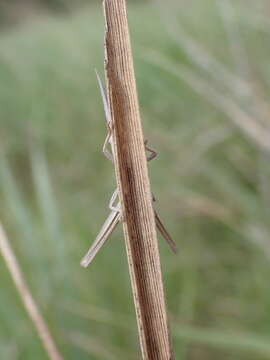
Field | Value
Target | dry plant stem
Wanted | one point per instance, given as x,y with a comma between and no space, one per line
27,299
134,187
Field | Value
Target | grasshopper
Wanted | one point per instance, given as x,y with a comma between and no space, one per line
115,216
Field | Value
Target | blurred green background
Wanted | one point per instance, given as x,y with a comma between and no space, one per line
203,78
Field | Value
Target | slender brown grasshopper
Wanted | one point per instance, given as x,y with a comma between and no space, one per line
115,216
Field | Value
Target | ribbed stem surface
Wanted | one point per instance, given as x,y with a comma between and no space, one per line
133,182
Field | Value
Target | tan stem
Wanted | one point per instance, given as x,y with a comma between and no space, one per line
27,298
134,187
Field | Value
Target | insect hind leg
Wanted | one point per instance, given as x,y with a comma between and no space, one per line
112,205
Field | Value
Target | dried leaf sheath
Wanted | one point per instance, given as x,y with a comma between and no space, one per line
134,188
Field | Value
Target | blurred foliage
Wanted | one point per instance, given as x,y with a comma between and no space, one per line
16,11
203,80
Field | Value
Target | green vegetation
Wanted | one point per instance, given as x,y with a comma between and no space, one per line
208,118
